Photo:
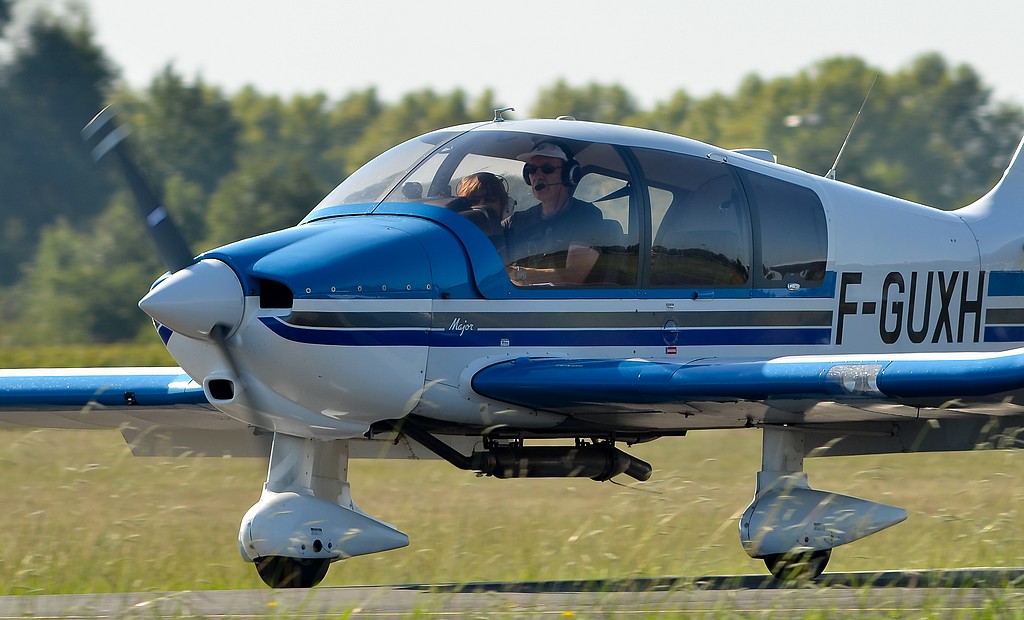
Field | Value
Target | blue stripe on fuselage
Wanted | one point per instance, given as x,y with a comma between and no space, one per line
1005,283
419,337
1004,333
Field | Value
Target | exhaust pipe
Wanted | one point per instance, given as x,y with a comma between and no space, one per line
596,461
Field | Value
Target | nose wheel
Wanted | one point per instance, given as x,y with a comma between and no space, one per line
282,572
797,566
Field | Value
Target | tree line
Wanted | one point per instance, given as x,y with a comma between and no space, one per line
74,259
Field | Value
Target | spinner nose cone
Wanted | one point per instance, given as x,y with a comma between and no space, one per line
193,300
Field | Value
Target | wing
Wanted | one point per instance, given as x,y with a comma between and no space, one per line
896,403
158,410
102,398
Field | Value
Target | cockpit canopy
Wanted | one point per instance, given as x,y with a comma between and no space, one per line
700,217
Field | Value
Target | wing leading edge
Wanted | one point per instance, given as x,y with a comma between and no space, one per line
158,411
101,397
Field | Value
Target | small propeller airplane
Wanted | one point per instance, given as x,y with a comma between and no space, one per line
718,290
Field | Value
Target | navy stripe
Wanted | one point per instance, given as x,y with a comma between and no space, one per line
1005,283
555,338
164,332
706,337
634,338
1004,333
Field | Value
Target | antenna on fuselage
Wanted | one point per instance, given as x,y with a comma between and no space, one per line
499,111
831,174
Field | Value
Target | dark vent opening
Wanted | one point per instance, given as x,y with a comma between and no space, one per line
274,295
221,389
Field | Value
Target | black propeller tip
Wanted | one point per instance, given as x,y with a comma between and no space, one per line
106,134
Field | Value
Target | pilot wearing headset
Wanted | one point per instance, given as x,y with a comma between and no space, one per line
553,241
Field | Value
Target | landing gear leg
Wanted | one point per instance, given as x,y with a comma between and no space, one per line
305,518
793,527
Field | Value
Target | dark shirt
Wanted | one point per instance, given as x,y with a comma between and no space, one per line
536,241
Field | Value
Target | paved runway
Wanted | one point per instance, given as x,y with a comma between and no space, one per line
938,594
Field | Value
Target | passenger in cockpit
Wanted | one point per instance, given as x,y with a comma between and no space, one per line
482,197
554,241
485,201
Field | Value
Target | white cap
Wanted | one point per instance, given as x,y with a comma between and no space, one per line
545,149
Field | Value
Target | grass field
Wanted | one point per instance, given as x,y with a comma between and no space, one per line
80,514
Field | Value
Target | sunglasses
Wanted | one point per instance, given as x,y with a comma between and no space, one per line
531,170
475,200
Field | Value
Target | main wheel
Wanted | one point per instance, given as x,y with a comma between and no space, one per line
797,566
281,572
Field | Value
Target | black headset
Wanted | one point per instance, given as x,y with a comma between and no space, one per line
571,171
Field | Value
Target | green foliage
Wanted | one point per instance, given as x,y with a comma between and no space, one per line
946,130
263,196
54,83
184,129
594,102
149,351
84,288
414,114
186,138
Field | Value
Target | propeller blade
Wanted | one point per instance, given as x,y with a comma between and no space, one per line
104,134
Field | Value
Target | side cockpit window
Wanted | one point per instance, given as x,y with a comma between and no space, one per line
701,226
559,212
618,238
793,233
594,241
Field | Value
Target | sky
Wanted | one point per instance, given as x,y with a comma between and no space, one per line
651,47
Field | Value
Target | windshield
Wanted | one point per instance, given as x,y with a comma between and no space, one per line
504,182
508,183
374,180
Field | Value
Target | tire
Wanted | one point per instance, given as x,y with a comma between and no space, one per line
281,572
798,565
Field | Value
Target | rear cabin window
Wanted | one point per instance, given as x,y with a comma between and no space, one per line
792,232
